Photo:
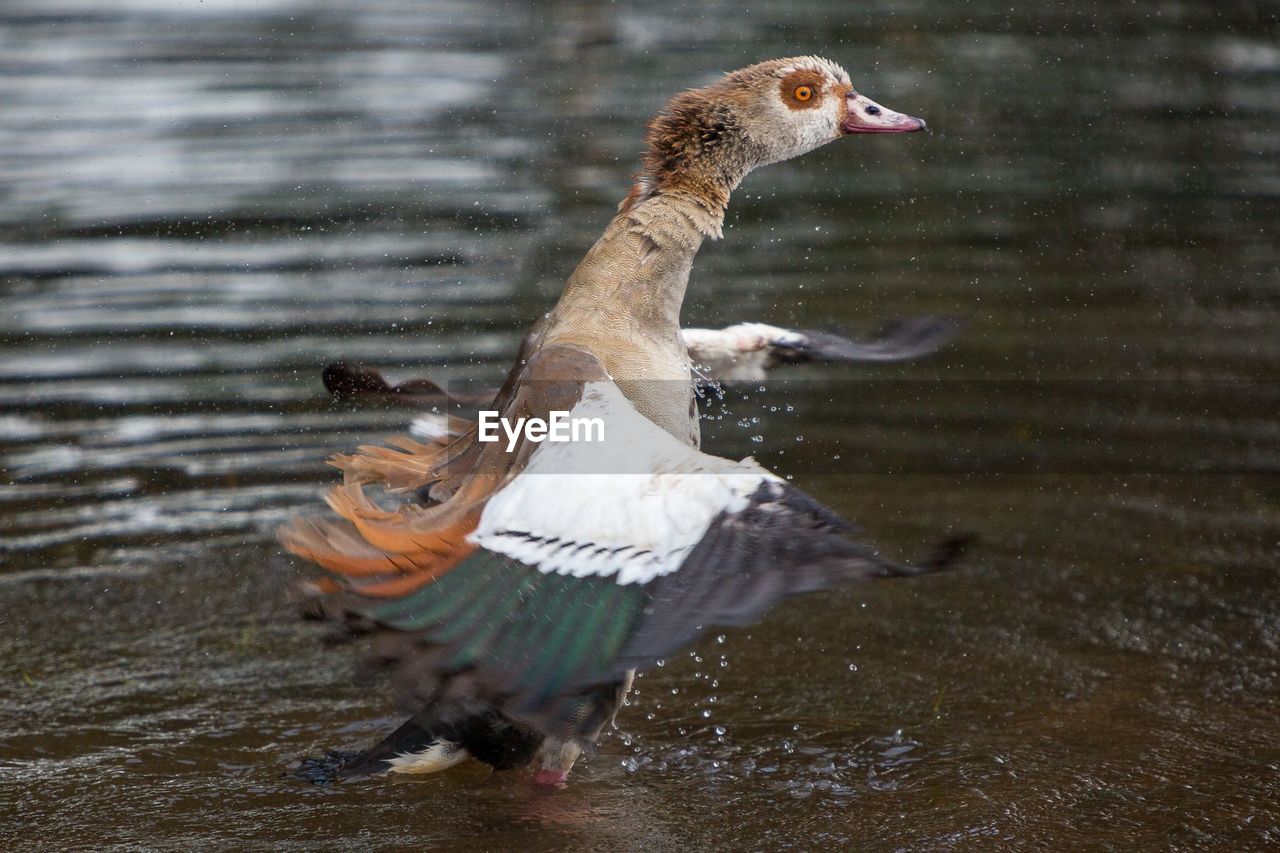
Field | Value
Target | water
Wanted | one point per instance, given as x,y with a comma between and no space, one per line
203,203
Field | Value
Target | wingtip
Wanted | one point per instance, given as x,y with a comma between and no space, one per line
898,340
913,337
947,553
344,380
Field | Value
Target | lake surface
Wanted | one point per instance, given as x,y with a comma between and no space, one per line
204,203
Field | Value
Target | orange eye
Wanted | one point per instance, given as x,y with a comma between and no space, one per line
804,93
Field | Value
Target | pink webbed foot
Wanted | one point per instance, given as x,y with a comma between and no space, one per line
550,778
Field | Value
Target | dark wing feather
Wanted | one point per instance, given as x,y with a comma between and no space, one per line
783,544
898,341
489,736
499,631
358,383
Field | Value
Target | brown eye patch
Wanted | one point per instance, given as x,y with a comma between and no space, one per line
801,90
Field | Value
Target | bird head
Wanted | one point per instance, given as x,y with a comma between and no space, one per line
706,140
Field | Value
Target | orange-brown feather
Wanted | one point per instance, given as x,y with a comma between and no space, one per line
401,531
351,566
325,543
392,556
375,552
405,584
405,466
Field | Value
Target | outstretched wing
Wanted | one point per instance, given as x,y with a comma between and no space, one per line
748,351
741,352
594,558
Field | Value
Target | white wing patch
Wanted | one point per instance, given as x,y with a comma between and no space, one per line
737,353
633,505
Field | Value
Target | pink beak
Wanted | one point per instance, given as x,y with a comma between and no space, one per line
866,116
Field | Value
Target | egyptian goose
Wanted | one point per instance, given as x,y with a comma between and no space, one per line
515,589
743,352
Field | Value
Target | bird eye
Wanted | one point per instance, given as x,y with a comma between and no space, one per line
803,93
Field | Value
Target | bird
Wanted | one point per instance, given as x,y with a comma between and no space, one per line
513,588
742,352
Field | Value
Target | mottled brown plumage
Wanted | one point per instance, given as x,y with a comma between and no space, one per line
705,140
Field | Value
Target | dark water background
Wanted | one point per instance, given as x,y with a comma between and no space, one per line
202,203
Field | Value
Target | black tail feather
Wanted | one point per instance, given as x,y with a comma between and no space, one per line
491,737
410,737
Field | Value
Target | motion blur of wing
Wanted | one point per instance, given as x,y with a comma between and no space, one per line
558,567
747,352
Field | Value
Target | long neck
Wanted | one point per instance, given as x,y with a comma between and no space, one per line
623,301
633,280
